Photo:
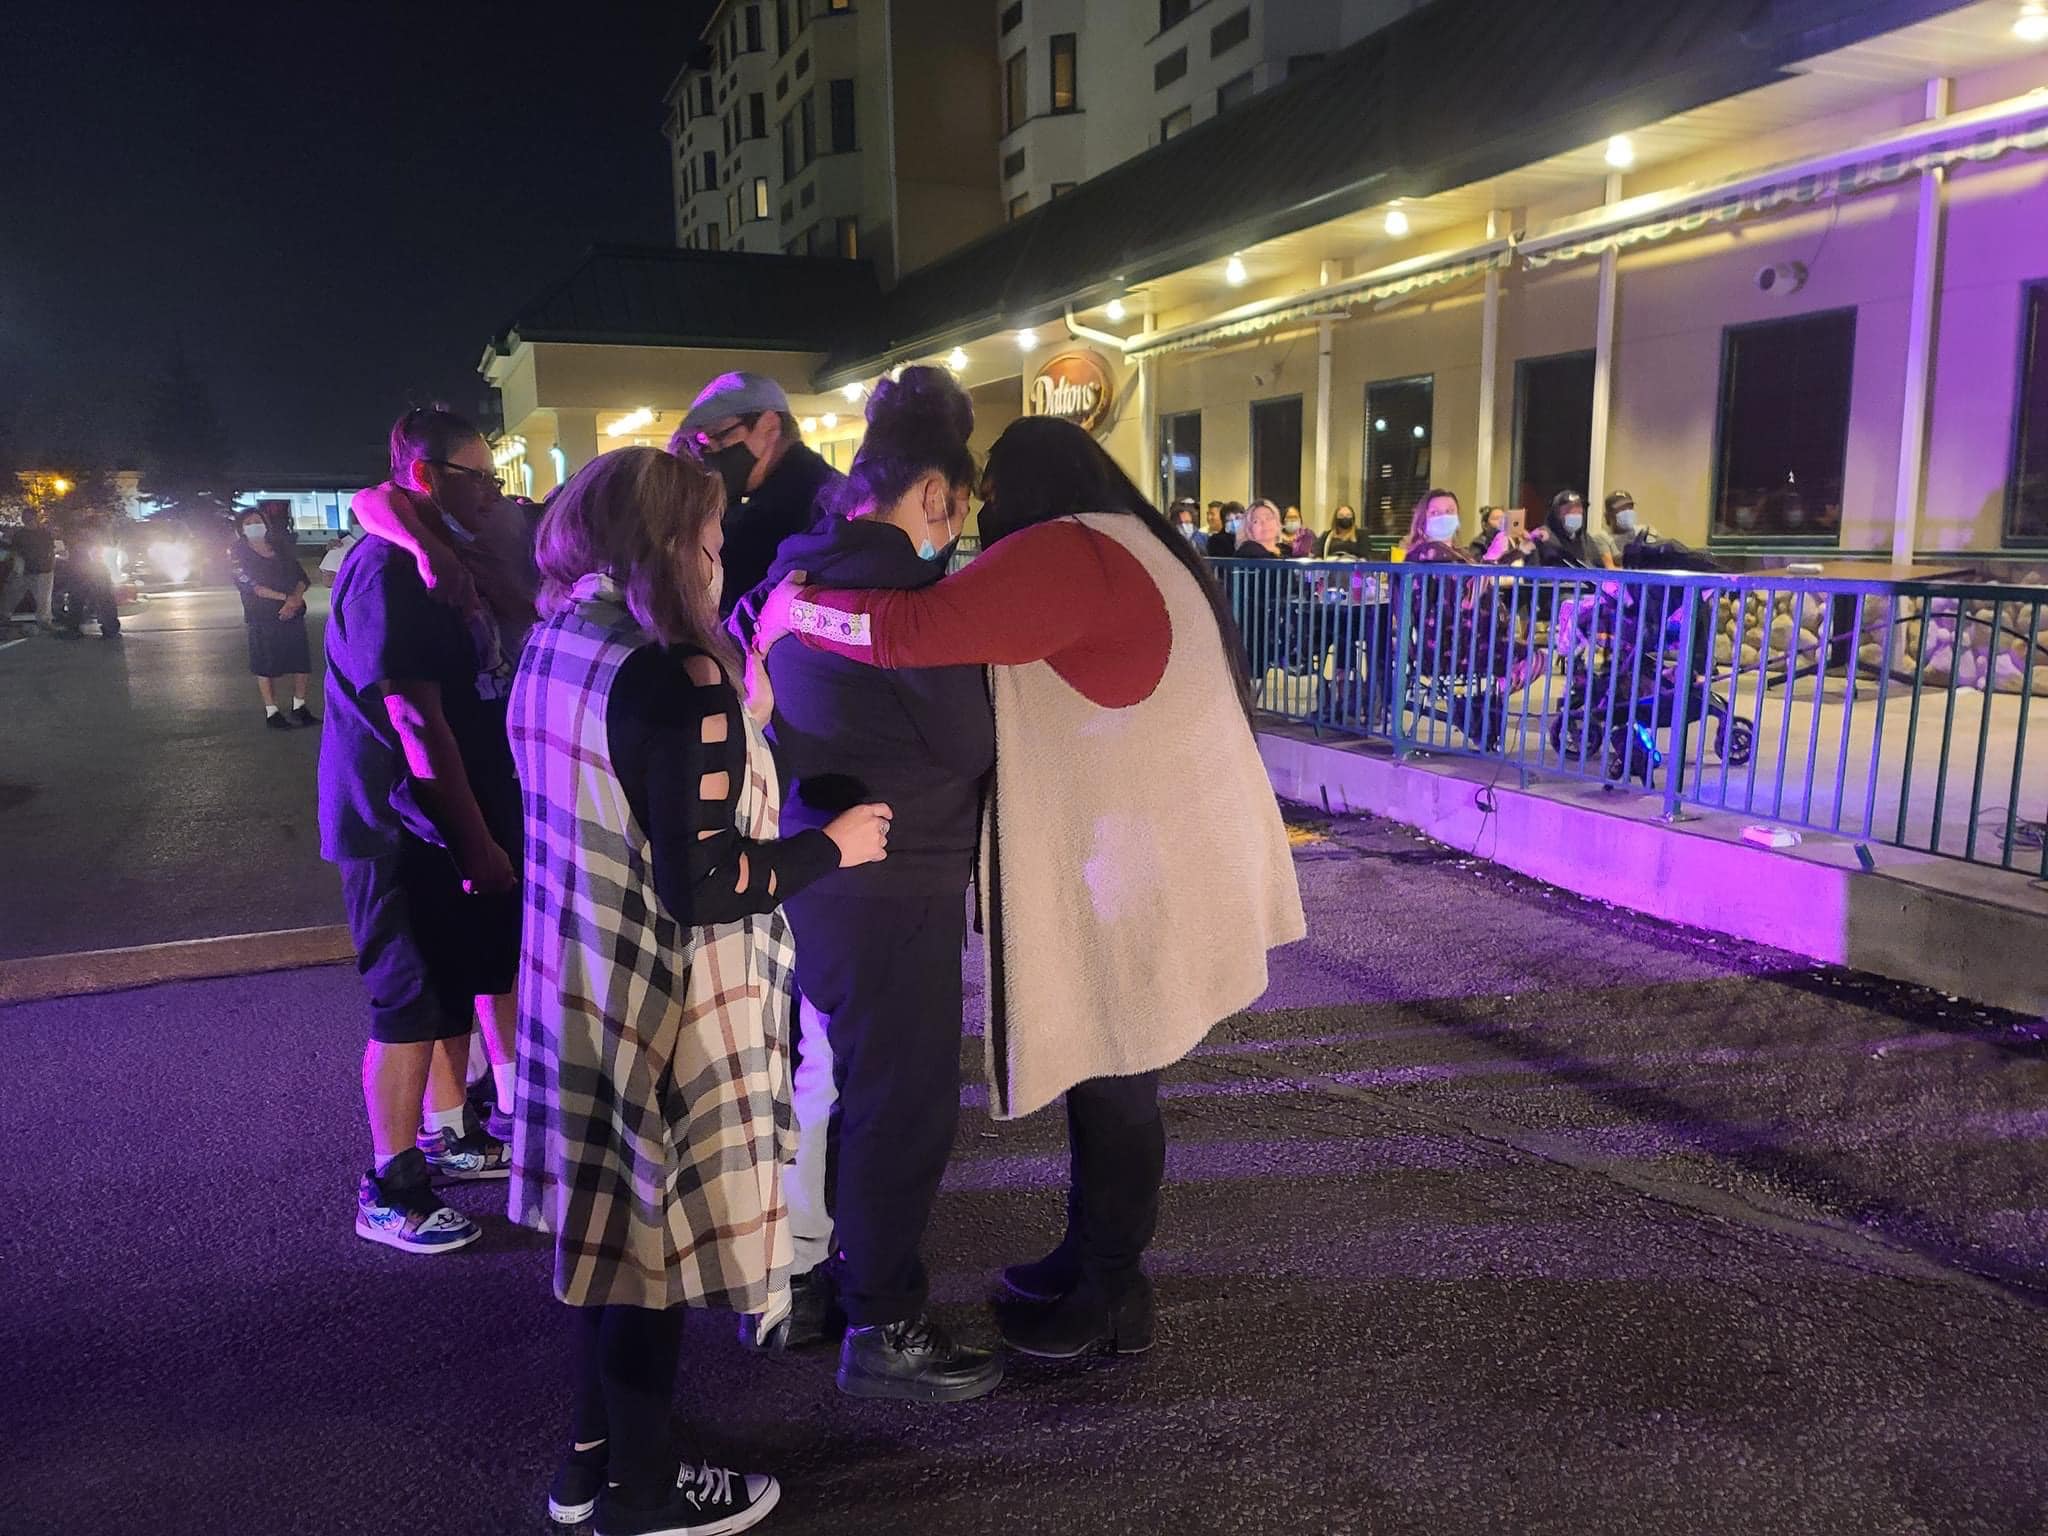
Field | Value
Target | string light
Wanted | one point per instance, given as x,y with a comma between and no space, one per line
1234,272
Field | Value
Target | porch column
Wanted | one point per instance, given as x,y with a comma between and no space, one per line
1929,237
1148,440
1489,368
1321,506
1603,367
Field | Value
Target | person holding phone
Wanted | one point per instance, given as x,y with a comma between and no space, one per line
273,588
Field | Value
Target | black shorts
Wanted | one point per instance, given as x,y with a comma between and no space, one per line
425,948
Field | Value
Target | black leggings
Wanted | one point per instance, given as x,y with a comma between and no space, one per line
625,1386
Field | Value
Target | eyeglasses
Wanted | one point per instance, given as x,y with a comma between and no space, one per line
701,443
483,480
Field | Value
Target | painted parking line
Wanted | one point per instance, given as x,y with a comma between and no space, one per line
8,645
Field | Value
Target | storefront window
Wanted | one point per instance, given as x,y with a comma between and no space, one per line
2026,509
1276,450
1553,429
1783,438
1180,457
1400,438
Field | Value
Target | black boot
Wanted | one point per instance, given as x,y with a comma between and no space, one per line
1049,1278
917,1361
813,1318
1096,1317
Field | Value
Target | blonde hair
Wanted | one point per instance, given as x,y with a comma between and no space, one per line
639,515
1244,531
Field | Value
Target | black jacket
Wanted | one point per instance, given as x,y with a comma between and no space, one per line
921,739
780,507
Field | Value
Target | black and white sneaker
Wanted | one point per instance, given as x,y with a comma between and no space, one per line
572,1497
400,1211
707,1501
476,1154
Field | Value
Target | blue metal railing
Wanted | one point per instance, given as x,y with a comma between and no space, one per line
1888,712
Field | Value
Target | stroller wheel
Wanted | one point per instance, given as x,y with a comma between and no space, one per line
1737,741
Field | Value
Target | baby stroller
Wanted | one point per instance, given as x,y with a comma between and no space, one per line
1628,679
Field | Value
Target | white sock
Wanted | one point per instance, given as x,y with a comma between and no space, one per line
437,1120
384,1163
298,703
269,709
505,1076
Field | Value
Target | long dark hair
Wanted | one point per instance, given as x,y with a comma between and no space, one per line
917,423
1042,469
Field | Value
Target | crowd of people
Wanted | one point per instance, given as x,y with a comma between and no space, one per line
676,798
1260,530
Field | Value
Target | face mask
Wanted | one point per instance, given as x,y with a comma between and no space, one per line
1625,519
1290,528
734,464
1344,519
1231,525
1441,526
1574,521
255,533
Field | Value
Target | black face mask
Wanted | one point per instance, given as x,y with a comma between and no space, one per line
734,464
1344,523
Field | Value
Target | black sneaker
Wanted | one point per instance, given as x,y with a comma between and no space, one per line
276,722
1086,1321
813,1317
301,715
474,1155
917,1361
572,1497
706,1501
400,1211
1049,1278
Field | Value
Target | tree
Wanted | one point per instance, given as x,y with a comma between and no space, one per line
185,450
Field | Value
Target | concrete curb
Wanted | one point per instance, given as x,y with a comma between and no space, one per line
115,970
1960,929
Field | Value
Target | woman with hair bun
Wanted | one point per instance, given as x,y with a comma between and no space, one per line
878,948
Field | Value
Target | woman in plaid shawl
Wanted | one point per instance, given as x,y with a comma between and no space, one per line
654,975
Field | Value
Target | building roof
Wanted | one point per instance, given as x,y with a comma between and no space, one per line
1456,92
660,296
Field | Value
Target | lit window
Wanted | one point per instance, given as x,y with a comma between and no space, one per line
1020,205
760,197
1174,124
1065,92
849,239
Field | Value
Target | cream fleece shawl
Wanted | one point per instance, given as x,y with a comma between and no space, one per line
1120,930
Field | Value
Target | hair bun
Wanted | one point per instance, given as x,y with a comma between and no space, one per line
920,404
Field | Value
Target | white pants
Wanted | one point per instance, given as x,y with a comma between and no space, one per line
44,585
812,1095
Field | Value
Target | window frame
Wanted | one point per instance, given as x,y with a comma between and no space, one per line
1181,10
1187,112
1011,19
1368,493
1300,441
1242,15
761,199
1167,437
1811,538
2033,342
1073,58
1018,206
1016,90
836,92
1170,68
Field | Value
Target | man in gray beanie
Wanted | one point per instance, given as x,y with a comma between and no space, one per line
740,428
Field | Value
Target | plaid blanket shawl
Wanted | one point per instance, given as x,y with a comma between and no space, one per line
653,1111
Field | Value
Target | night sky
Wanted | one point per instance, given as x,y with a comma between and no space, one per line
333,207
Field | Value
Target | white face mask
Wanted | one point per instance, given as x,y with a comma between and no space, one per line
1441,526
1574,521
255,533
1625,519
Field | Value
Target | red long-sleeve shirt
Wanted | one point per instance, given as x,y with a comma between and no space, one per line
1054,592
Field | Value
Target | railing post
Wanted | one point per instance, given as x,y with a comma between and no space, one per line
1681,714
1397,693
